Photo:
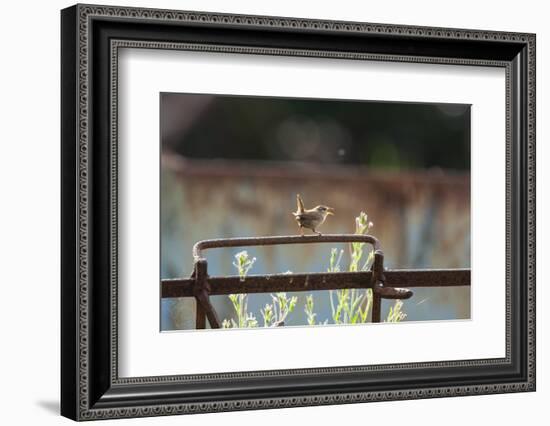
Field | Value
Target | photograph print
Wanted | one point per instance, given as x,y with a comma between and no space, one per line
298,179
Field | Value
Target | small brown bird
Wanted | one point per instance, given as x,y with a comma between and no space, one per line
311,218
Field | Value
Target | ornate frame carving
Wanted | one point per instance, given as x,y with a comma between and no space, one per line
91,388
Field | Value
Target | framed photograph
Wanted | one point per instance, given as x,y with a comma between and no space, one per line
263,212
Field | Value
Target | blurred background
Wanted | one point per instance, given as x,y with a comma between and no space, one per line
231,166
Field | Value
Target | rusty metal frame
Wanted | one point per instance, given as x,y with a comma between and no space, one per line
384,283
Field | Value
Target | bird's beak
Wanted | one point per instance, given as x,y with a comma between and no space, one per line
330,210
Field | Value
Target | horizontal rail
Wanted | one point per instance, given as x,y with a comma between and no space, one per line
318,281
291,239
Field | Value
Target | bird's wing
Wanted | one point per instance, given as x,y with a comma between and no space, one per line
300,204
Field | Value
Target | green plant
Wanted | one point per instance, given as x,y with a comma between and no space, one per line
352,306
273,314
335,259
308,309
362,227
245,319
243,263
396,314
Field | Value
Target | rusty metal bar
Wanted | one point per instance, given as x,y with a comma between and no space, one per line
209,310
291,239
376,307
201,291
394,293
377,282
199,280
200,316
427,277
183,287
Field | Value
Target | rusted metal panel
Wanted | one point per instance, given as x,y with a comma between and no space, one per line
423,218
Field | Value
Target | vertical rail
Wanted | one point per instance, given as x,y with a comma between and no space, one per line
201,291
377,285
210,312
200,318
376,307
200,274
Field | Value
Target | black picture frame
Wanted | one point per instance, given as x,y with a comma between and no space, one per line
90,386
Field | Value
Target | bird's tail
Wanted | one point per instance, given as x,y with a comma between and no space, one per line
300,204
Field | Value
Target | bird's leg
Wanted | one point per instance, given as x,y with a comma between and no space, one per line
302,231
317,232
